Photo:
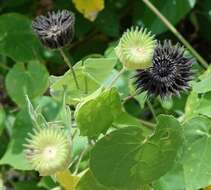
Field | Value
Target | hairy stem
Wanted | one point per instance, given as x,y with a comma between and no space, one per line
117,77
176,33
66,60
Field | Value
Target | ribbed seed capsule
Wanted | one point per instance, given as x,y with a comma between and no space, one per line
56,29
135,48
170,73
48,150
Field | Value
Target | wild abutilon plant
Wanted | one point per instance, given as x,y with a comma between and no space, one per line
170,73
135,48
48,150
56,29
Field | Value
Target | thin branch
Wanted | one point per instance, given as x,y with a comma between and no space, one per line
66,60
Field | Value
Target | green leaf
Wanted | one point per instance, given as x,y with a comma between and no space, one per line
132,106
192,105
204,19
198,105
2,118
25,185
98,68
14,155
47,183
124,120
205,107
31,80
197,153
90,73
132,159
16,38
88,182
119,148
36,117
49,107
203,86
173,180
174,10
104,106
157,156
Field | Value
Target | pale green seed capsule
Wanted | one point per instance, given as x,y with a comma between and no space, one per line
135,48
48,150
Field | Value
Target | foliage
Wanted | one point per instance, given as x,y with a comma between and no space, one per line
120,140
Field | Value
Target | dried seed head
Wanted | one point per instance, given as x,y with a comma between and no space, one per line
135,48
169,74
56,29
48,150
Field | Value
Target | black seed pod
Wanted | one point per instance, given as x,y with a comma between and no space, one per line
169,74
56,29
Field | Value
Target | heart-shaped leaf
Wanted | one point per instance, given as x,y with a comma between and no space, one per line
126,159
31,80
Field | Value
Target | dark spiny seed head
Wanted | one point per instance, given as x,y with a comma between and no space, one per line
56,29
169,74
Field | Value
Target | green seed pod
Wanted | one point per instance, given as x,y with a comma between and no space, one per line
135,48
48,150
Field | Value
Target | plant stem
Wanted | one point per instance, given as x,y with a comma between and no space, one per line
148,124
151,109
67,180
66,60
176,33
130,97
117,77
80,158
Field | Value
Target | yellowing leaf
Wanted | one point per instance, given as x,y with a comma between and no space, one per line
89,8
67,180
208,187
